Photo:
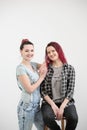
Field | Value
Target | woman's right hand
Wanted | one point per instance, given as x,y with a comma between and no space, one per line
43,70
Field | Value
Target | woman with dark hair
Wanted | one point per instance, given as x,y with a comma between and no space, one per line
29,80
57,90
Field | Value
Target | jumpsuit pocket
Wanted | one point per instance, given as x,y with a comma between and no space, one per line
25,106
20,110
19,106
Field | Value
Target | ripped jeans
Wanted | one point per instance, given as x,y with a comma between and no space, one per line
29,114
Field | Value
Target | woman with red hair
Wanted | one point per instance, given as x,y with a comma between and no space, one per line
57,89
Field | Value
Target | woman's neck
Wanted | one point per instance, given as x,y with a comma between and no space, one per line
28,64
57,63
25,62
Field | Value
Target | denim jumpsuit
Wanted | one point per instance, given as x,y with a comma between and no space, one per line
28,109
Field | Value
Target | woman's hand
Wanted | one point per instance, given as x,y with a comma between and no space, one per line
60,113
43,70
55,109
61,109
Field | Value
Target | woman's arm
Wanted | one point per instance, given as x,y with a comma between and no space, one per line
64,103
25,81
52,104
70,90
39,66
70,83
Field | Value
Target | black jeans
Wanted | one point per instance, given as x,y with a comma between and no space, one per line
69,113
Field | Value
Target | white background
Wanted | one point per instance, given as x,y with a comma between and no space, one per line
41,21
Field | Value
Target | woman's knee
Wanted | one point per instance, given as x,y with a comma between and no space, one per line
73,119
47,117
47,112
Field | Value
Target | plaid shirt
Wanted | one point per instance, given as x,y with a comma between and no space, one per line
67,87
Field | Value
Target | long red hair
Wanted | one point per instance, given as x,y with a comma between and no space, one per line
59,50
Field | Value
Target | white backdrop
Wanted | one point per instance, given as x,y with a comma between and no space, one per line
41,21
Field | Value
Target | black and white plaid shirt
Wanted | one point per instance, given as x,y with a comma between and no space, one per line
67,87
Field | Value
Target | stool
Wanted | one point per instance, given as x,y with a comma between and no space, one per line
62,124
46,128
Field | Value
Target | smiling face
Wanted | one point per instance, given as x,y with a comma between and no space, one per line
52,53
27,52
